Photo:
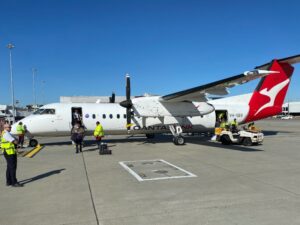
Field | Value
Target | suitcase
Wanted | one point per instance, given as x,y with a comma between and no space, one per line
104,149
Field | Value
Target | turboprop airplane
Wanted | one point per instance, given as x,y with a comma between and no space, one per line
178,113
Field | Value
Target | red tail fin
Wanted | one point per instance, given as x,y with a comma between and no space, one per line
268,97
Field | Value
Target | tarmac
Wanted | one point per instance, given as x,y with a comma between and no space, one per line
156,182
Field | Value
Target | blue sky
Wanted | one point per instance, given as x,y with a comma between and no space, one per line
86,47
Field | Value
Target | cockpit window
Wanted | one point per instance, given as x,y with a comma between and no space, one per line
44,111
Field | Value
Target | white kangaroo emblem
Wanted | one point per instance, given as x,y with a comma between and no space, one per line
272,94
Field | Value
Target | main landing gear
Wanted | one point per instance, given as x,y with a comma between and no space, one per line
178,139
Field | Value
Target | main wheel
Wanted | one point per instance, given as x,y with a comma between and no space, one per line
179,140
33,143
247,141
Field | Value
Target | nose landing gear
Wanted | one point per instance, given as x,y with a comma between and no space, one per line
33,142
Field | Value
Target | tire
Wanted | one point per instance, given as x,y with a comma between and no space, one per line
225,140
247,141
179,140
150,136
33,143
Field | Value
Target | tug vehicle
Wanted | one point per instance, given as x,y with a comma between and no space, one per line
243,137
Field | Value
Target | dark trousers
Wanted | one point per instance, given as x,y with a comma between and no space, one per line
21,140
98,141
78,147
11,169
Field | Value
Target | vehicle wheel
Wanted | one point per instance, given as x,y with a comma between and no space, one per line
247,141
33,143
150,136
225,140
179,140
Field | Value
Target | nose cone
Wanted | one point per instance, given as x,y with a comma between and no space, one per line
26,122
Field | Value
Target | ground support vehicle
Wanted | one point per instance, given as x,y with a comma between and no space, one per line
244,137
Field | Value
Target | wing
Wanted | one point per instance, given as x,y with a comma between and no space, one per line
215,88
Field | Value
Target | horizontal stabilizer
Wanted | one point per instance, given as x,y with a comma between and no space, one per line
290,60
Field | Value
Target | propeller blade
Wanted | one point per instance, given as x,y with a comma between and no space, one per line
128,118
128,87
127,103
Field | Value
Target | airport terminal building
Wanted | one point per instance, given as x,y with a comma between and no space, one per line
291,108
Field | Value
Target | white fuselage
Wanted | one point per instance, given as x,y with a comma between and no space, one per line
113,117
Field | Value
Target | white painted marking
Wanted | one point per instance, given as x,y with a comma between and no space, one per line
133,173
130,170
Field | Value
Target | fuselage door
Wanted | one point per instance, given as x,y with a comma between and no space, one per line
76,115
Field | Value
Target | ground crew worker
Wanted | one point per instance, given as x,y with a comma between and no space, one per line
234,123
8,145
223,124
234,126
21,134
221,116
98,133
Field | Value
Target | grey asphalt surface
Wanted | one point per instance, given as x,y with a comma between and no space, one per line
234,184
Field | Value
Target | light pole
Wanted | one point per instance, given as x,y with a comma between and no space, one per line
34,70
10,47
43,92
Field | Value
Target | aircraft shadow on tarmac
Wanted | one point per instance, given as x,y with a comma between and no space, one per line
141,140
41,176
206,142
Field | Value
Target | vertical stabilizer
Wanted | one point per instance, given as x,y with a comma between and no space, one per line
268,97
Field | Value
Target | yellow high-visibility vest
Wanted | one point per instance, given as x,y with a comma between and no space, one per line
20,129
234,123
99,131
7,146
223,124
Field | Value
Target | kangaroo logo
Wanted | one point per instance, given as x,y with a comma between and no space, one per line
272,94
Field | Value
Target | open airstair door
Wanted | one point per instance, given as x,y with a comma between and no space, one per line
76,115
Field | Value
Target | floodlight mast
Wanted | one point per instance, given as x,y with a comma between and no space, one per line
10,47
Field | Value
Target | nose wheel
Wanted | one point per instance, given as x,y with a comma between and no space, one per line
33,143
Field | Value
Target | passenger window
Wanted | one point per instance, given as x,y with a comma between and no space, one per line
94,116
44,111
110,116
103,116
118,116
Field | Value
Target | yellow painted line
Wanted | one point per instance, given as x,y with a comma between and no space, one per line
34,151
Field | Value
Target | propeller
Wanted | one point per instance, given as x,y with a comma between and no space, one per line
127,103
